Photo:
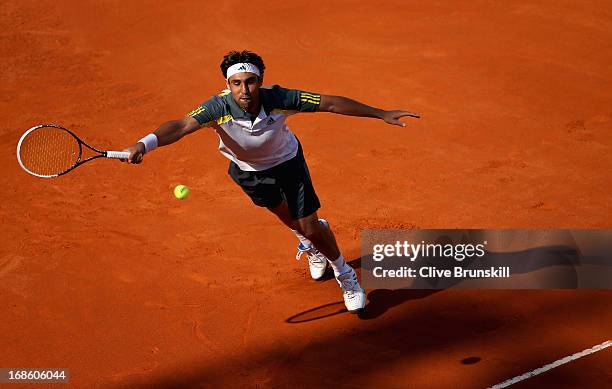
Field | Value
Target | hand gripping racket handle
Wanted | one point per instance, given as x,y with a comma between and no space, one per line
118,154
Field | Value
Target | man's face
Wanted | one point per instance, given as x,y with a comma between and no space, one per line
245,90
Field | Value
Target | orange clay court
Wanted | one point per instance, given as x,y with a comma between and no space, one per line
104,272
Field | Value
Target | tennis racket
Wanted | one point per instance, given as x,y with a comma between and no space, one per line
49,151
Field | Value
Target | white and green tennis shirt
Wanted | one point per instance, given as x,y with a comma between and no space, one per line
264,142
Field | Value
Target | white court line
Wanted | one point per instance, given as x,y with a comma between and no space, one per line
557,363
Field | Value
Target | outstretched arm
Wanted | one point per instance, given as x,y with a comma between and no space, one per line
345,106
167,133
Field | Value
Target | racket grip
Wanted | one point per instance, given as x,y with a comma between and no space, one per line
118,154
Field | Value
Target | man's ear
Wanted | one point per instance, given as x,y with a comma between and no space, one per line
227,85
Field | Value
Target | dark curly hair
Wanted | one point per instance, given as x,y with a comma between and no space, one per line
234,57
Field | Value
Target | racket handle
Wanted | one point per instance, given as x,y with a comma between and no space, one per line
118,154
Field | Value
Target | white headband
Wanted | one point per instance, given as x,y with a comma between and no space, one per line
241,68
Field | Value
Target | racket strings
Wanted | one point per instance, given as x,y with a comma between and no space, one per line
49,151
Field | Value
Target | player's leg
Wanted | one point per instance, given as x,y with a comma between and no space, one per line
323,239
319,234
283,214
317,262
303,203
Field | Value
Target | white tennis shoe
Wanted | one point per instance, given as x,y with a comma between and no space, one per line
317,262
354,295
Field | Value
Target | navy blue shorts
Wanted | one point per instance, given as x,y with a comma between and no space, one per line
290,181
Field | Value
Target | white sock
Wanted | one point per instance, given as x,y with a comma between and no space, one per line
302,239
340,267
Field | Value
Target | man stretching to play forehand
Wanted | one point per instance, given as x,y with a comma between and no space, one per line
266,158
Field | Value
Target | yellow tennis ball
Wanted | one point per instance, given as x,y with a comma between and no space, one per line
181,192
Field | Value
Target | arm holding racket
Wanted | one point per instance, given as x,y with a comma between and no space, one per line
167,133
50,150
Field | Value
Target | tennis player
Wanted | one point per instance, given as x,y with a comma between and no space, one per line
266,158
